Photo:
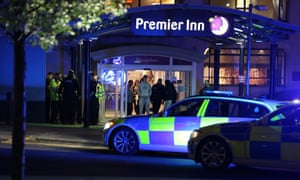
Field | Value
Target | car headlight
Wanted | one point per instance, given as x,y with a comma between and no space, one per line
195,134
108,125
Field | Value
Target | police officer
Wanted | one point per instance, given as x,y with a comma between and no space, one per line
94,103
47,99
100,95
70,93
55,98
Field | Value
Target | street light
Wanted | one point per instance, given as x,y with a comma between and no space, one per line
249,39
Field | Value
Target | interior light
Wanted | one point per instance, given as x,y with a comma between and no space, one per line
237,29
206,51
259,40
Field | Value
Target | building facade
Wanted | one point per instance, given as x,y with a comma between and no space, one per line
186,60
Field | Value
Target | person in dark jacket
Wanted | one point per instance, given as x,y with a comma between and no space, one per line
70,91
47,97
158,91
170,95
130,97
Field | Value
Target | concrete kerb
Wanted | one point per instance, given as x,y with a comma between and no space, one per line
60,134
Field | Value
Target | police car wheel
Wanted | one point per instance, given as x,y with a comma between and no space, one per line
214,154
124,141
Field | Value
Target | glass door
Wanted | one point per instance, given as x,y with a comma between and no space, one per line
182,82
114,84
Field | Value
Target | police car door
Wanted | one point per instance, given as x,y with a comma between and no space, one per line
276,142
219,111
290,138
172,131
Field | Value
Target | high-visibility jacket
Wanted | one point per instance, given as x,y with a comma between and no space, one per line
100,92
54,85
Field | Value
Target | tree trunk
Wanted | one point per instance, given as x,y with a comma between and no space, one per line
19,110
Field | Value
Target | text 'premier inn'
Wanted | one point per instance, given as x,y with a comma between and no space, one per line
169,25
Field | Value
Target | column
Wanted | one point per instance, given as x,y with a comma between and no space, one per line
241,71
216,68
272,78
86,61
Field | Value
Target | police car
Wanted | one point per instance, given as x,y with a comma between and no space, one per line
170,130
273,141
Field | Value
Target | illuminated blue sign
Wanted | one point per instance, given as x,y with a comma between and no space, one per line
180,23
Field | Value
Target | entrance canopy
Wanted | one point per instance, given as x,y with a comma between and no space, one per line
213,24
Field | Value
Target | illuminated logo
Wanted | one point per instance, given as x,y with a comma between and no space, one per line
219,25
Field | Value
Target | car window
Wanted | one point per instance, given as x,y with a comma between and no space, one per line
221,108
286,118
231,108
185,108
251,110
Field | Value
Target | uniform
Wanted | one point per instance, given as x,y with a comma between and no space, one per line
70,92
54,99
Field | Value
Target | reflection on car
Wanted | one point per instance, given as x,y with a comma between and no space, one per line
271,141
170,130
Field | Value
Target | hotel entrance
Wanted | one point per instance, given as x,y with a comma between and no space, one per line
115,77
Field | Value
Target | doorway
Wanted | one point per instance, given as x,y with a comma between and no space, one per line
115,83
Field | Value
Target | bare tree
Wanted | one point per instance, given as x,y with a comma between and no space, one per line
42,22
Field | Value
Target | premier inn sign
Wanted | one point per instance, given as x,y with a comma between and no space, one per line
180,22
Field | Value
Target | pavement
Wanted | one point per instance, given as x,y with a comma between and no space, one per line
56,133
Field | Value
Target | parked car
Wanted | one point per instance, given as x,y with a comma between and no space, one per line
273,141
170,130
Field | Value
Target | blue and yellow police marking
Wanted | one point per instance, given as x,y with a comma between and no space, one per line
173,130
265,133
207,121
264,142
181,137
203,108
290,143
161,124
235,132
144,136
240,148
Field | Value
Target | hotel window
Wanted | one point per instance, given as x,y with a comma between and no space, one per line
276,8
138,3
259,67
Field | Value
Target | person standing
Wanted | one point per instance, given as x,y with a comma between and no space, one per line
129,97
60,105
136,96
157,95
70,93
94,103
100,94
170,95
54,98
49,77
144,91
